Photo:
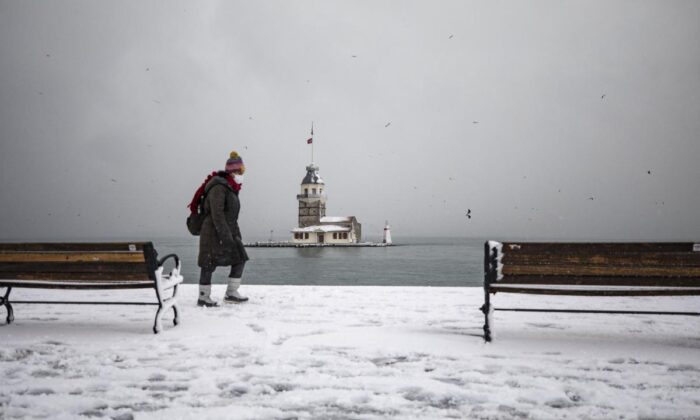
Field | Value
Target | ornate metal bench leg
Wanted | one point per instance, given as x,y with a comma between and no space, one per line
486,309
5,301
157,325
176,319
176,313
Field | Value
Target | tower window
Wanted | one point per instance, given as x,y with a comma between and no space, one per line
314,191
335,235
306,191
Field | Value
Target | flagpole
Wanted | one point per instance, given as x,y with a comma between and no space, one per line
312,142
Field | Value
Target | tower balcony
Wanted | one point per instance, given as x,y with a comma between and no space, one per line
310,196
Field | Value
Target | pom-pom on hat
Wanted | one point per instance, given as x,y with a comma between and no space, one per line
235,162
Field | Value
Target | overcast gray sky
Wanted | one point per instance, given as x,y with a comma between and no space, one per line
563,120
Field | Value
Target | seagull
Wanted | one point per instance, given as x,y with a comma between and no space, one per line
602,96
387,124
450,37
114,180
591,198
469,213
354,56
475,122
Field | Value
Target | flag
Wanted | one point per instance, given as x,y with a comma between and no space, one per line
309,141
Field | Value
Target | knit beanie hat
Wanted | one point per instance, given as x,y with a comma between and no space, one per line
235,162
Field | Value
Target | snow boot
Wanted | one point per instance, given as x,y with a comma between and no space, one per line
232,294
204,297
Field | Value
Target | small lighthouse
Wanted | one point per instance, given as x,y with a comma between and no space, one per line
387,233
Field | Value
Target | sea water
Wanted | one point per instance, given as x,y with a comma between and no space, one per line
411,262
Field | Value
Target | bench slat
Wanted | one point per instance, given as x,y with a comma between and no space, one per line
571,248
74,246
71,267
105,275
72,257
652,259
603,280
68,284
600,292
594,270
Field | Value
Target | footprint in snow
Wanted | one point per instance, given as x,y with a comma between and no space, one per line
573,395
512,412
255,327
560,403
40,373
387,361
37,391
545,325
683,368
16,355
97,411
156,377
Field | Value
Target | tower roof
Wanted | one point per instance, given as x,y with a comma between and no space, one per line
312,176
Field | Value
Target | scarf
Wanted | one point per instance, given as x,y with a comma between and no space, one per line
194,204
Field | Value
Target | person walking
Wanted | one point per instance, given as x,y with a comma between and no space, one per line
220,242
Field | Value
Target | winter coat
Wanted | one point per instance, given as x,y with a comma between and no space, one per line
220,241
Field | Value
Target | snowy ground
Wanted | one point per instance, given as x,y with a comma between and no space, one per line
349,352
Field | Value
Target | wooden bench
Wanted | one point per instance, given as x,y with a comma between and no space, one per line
128,265
589,269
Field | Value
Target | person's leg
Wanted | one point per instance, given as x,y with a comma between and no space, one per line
205,287
234,282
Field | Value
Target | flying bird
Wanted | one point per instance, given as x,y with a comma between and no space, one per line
475,122
387,124
649,172
602,96
450,37
591,198
114,180
469,213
